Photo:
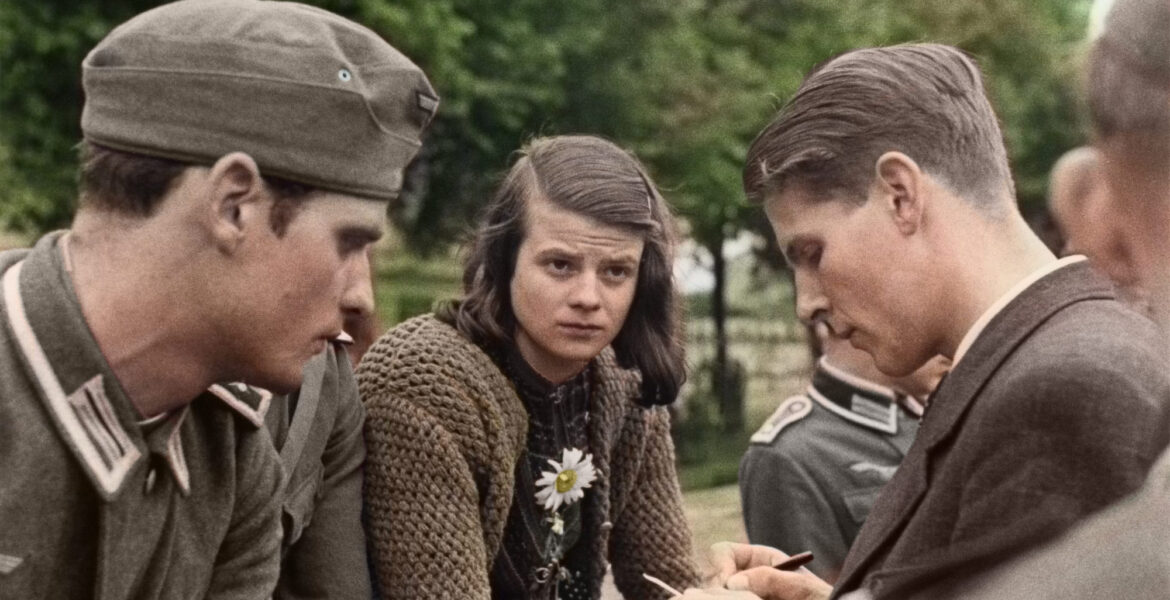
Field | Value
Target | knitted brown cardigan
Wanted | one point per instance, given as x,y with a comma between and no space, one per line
444,430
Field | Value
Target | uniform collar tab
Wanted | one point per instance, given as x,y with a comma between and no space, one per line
167,443
91,425
855,399
250,402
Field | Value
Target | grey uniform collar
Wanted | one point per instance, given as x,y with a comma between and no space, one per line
83,397
855,399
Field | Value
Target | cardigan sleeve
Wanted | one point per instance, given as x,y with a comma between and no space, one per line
422,506
651,534
442,435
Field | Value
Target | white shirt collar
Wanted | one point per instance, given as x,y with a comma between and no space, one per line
989,314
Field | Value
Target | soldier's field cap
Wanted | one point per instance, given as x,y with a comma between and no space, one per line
312,97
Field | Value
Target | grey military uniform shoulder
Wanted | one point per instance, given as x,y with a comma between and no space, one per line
11,257
790,411
800,420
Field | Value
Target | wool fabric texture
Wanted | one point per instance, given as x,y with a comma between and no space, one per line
445,430
312,97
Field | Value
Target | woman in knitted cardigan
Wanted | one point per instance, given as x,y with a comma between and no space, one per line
517,440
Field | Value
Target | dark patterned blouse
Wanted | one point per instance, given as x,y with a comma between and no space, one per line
535,561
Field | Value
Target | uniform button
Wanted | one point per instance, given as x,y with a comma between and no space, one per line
606,526
151,476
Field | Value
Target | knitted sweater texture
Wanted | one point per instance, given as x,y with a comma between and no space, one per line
444,432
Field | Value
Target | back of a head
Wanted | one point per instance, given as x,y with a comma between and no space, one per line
312,97
924,100
1129,76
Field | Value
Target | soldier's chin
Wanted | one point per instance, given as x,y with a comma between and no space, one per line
279,383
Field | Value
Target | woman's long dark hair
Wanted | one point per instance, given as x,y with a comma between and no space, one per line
596,179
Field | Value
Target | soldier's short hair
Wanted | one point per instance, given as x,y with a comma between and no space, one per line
925,100
1129,75
133,184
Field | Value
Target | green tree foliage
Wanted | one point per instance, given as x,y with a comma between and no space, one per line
684,83
42,43
499,66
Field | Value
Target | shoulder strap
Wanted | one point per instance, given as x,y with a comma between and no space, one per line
308,399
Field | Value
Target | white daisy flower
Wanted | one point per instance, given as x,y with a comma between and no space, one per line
566,483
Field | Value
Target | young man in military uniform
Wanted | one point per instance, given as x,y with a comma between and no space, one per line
237,159
816,465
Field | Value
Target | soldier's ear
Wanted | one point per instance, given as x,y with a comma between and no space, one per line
236,196
899,187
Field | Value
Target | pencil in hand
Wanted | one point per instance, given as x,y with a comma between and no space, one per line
794,562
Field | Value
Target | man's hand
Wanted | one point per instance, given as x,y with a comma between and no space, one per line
749,568
716,594
728,558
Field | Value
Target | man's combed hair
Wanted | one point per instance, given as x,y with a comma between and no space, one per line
924,100
134,184
594,178
1129,75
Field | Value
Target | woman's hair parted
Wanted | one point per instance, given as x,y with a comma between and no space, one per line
594,178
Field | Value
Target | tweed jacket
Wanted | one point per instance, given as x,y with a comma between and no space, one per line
1121,552
1058,409
94,505
444,433
318,432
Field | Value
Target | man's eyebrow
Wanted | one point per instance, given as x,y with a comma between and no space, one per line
365,233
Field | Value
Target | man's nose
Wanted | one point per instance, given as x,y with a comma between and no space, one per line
358,297
810,300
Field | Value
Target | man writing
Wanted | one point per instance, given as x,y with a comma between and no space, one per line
886,174
236,163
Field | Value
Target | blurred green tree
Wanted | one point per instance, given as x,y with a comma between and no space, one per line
686,84
43,43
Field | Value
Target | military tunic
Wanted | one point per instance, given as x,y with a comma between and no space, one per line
814,469
318,432
94,503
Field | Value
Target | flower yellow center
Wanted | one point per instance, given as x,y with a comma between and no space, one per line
565,480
